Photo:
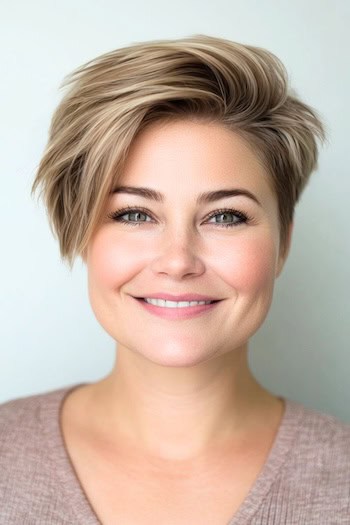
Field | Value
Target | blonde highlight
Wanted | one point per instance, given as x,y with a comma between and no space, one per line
115,96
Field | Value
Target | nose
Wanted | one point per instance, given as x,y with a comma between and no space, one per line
179,256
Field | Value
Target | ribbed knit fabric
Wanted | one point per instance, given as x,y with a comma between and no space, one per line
304,481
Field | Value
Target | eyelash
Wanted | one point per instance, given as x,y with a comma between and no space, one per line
116,216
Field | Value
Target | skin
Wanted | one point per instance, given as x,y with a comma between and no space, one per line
181,390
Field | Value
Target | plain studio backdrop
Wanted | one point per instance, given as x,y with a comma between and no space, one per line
49,335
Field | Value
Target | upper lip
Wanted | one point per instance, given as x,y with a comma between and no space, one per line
176,298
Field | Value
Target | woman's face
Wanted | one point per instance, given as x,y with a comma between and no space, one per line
179,246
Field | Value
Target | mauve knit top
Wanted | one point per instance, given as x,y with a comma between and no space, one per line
305,479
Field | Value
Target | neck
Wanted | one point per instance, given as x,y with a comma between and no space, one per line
179,414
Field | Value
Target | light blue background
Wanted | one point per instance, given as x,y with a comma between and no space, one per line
49,335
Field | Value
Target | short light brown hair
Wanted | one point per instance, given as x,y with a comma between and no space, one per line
115,96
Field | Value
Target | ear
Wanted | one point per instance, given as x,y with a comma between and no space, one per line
284,254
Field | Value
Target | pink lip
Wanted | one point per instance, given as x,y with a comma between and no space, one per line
177,313
183,297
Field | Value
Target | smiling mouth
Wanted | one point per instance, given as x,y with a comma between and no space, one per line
175,304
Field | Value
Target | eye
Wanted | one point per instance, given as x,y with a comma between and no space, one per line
238,216
119,214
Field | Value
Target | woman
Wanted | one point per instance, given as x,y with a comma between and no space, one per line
173,168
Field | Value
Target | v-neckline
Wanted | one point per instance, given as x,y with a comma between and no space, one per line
50,416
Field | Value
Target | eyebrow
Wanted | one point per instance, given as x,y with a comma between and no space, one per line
203,198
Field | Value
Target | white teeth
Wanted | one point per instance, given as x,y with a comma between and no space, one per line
174,304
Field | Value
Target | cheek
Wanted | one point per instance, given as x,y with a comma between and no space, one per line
113,260
249,265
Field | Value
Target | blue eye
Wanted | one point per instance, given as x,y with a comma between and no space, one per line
238,216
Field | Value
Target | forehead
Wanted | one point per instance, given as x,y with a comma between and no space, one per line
188,156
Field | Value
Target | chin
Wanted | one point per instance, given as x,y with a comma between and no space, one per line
173,357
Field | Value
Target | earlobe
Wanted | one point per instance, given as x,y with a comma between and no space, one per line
284,254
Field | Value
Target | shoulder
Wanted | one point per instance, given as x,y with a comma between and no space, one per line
17,410
29,437
26,423
307,478
323,430
320,451
21,417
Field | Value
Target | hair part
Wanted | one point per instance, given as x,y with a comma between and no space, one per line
115,96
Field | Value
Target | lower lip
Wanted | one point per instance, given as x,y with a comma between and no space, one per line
177,313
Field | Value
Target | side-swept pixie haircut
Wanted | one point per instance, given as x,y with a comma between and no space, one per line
203,78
